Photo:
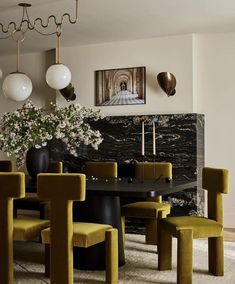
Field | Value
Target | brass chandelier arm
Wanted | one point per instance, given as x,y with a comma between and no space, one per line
33,26
37,23
7,30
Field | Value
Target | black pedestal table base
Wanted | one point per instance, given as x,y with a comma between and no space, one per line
103,210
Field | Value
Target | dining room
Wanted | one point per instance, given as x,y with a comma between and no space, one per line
116,150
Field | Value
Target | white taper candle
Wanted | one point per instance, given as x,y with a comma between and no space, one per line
154,139
142,149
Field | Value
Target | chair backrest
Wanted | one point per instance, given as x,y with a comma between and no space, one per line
12,185
153,170
6,166
55,167
101,169
61,190
150,170
216,182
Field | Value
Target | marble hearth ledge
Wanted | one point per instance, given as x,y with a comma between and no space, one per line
179,140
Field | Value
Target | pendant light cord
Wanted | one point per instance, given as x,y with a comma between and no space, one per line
18,57
58,48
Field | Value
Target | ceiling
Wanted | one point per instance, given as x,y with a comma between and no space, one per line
120,20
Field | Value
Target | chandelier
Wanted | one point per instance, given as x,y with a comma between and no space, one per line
17,85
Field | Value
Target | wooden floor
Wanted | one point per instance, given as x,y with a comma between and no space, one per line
229,235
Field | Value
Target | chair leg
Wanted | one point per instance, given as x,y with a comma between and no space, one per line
185,257
123,230
47,260
151,237
61,243
111,245
216,255
6,241
151,232
164,248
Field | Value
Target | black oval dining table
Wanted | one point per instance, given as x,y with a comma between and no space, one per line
102,205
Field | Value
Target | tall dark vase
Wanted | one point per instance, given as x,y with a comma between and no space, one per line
37,161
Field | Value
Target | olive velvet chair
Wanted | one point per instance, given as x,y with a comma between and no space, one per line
104,170
101,169
153,208
187,228
12,185
6,166
63,234
35,204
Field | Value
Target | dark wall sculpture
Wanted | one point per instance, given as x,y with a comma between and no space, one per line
179,140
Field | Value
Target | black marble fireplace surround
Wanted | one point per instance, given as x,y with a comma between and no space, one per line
179,140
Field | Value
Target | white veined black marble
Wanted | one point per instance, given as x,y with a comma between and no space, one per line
179,140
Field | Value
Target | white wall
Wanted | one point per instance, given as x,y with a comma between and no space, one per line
35,66
214,90
172,54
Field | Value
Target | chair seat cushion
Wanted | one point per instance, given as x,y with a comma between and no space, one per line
202,227
145,209
84,234
28,229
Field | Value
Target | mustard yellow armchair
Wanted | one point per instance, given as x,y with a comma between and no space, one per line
101,169
104,170
55,167
12,185
152,209
32,202
187,228
61,190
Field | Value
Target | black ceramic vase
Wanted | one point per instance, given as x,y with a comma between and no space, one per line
37,161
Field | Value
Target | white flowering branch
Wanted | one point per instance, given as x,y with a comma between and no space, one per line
30,126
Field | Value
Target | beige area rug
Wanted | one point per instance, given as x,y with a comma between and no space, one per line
141,265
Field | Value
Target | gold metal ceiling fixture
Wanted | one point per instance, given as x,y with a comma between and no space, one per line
58,76
37,25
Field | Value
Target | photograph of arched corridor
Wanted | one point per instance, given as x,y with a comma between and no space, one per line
120,86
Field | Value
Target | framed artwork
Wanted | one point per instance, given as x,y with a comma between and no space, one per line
123,86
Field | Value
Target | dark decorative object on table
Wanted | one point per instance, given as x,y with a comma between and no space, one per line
37,161
167,82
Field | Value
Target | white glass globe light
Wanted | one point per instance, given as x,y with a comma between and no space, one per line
58,76
17,87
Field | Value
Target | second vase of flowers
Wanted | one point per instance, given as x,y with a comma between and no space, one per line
37,161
